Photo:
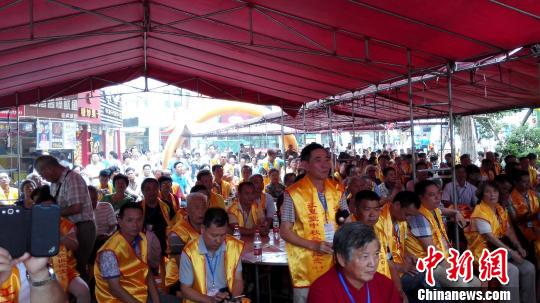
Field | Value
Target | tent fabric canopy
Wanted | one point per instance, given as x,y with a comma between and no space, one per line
284,53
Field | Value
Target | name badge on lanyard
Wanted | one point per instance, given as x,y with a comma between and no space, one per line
329,232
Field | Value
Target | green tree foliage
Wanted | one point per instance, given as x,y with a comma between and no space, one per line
521,141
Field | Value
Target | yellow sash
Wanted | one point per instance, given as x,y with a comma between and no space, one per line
64,263
438,235
306,265
216,201
266,165
134,269
520,205
164,210
533,176
225,189
9,290
11,197
233,251
384,230
186,233
256,213
475,241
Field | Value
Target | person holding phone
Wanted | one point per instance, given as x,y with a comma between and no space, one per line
210,266
307,220
28,279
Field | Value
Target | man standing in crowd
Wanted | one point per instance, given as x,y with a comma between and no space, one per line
92,170
308,223
121,270
210,266
8,194
270,162
71,193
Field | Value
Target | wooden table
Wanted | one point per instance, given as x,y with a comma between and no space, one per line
273,254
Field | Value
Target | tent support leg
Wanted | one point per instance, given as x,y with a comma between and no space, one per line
411,113
452,145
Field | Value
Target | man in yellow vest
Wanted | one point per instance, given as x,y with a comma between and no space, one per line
181,233
270,162
308,220
121,269
533,173
204,178
210,266
263,199
220,186
526,203
428,229
390,226
246,212
8,194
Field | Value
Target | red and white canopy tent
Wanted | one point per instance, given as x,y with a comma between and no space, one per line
386,57
285,53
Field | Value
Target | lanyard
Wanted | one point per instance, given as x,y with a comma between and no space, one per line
349,293
212,268
324,204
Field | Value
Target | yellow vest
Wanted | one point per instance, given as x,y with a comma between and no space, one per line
10,198
9,290
390,242
186,233
475,241
134,269
225,189
414,246
216,200
520,205
233,252
533,176
306,265
64,263
266,165
257,214
164,210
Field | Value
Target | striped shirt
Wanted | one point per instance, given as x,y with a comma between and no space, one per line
104,214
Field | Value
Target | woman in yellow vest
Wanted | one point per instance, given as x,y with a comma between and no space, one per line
121,270
489,225
204,178
210,266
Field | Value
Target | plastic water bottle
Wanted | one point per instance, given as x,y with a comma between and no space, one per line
236,232
257,246
275,227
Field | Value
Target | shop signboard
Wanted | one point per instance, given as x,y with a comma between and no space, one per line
53,134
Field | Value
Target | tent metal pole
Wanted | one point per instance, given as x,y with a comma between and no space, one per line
304,122
442,143
452,145
19,145
332,156
353,131
282,131
411,113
